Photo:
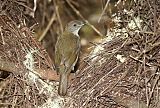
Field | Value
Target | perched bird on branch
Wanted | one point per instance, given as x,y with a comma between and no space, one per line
67,50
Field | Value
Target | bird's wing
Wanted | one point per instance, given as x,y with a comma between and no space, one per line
67,51
58,54
71,53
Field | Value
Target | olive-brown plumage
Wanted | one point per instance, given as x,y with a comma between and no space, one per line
67,51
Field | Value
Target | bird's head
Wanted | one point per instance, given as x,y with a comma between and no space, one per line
74,26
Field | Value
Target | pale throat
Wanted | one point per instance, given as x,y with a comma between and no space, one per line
75,32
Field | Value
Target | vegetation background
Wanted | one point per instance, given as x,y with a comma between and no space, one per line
119,65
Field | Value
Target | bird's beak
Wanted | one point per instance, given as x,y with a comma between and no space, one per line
83,23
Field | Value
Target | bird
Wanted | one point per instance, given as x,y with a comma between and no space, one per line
67,50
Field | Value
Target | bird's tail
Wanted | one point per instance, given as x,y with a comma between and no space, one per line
63,83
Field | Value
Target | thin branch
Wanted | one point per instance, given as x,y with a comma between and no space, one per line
48,27
58,16
86,21
111,86
104,10
136,59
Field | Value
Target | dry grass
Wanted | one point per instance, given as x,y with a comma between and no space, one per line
119,73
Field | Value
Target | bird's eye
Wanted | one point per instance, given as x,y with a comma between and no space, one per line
74,25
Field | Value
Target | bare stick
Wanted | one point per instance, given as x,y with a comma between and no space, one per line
86,21
58,16
103,10
136,59
47,28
